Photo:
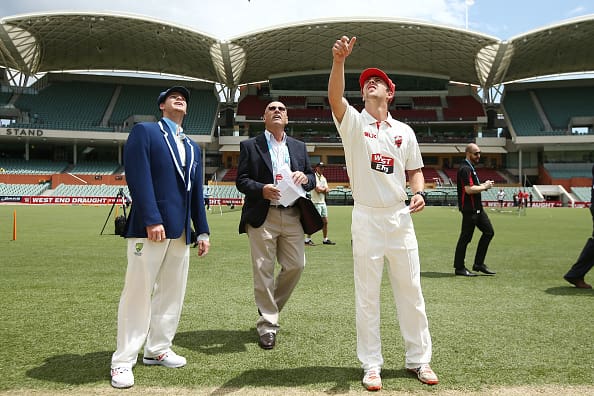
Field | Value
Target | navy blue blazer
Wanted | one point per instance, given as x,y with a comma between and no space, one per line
163,192
255,170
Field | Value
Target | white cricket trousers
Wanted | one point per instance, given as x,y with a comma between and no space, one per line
379,233
152,299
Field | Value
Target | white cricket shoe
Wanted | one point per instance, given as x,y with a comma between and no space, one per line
372,380
122,377
168,359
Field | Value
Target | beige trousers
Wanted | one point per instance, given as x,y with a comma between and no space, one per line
280,239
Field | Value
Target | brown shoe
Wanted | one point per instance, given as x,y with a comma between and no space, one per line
267,340
579,283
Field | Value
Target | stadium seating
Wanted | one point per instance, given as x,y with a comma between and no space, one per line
293,101
31,167
336,174
230,175
94,168
340,196
142,101
426,101
5,97
431,175
202,112
583,194
135,100
252,107
560,104
522,114
58,106
451,173
87,190
22,189
411,115
222,191
568,170
463,108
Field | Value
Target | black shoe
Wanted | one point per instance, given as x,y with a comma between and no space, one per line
578,282
328,242
483,268
310,243
267,340
464,272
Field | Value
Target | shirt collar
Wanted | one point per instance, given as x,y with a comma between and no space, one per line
368,119
173,127
271,140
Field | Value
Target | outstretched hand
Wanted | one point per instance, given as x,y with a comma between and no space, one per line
343,47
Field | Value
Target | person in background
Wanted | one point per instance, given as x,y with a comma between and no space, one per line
379,153
318,197
470,205
274,230
585,261
500,197
164,176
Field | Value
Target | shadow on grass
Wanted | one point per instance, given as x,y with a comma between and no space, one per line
74,369
340,377
214,342
569,291
428,274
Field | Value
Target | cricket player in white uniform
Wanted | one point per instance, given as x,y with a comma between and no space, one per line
378,151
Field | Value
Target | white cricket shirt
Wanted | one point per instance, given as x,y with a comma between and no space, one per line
377,155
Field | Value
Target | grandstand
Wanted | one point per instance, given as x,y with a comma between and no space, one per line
536,132
65,190
94,168
582,194
22,189
109,105
32,167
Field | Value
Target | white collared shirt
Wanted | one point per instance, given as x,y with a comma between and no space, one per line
178,132
377,155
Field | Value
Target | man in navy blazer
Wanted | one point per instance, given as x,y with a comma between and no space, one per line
164,176
274,231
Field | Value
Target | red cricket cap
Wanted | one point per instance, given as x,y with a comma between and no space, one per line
373,72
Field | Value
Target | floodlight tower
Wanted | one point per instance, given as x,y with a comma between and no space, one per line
468,4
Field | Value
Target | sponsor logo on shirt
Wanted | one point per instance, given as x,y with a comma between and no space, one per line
381,163
371,135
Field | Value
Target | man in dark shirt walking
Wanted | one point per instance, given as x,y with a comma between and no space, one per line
473,215
585,262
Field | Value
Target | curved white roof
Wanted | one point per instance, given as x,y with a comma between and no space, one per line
46,42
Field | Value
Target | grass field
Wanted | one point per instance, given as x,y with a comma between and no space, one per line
523,331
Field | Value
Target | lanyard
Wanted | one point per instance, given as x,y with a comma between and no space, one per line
279,154
473,171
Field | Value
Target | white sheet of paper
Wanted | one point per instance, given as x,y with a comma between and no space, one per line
289,191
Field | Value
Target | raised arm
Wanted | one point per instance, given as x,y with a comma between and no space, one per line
340,51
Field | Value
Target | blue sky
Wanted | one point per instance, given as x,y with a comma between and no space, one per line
503,19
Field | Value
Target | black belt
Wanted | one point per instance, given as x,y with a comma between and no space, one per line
281,206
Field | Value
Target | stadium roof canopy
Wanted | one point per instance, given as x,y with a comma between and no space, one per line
50,42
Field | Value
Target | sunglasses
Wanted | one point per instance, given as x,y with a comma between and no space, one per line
280,108
477,153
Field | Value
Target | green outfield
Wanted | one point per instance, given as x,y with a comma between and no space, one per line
524,328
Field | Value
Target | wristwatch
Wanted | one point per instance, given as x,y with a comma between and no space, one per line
422,194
